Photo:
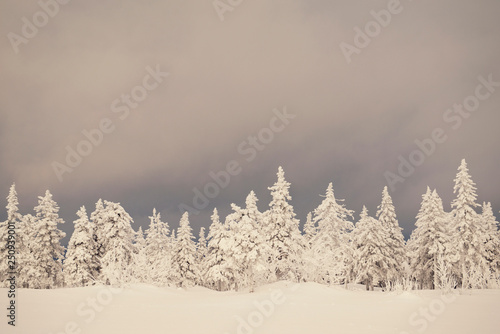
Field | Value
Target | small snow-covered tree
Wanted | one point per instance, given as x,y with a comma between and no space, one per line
201,253
78,265
286,242
310,228
184,261
220,270
48,251
29,275
14,219
395,242
469,234
116,243
158,251
371,257
97,219
330,245
430,243
492,242
140,266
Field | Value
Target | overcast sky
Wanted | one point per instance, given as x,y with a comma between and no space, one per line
356,113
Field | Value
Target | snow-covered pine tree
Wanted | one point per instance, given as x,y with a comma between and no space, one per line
330,246
79,266
249,248
184,261
14,218
386,215
116,241
310,229
140,266
48,251
201,253
220,271
469,238
158,251
429,243
492,242
371,259
286,242
97,219
29,275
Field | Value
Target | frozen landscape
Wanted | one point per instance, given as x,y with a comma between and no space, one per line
281,307
249,167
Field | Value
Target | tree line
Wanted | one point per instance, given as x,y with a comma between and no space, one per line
249,248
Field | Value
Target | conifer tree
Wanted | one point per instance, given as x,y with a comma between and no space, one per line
310,229
283,236
79,265
492,240
330,246
116,243
184,255
48,251
371,259
220,273
13,219
158,251
249,251
469,236
395,242
430,242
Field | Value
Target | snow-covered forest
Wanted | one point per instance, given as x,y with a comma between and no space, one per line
249,248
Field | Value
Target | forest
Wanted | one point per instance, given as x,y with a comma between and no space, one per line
250,248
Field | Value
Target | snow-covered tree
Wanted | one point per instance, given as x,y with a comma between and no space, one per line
201,253
140,267
29,275
469,234
79,264
310,228
371,257
248,244
97,219
184,261
48,251
220,270
158,251
386,215
492,242
286,242
430,242
115,240
13,218
330,245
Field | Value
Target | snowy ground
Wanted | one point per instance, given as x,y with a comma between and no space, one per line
277,308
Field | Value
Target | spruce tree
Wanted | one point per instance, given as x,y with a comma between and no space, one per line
220,272
330,245
13,219
158,251
116,242
48,251
429,243
184,261
283,235
395,242
79,265
371,258
469,235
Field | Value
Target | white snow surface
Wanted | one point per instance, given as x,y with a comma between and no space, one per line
282,307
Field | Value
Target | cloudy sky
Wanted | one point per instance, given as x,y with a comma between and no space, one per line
354,94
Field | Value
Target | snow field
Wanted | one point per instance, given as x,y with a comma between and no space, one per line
281,307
